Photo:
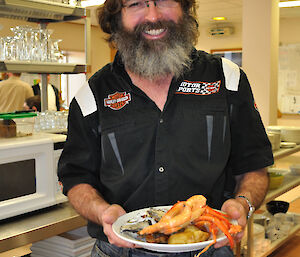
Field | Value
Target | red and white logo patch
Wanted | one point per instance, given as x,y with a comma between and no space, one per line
198,87
117,100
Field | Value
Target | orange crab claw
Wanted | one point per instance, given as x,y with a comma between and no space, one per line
220,225
213,230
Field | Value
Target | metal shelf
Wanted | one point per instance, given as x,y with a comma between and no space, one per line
40,11
38,225
290,182
283,152
42,67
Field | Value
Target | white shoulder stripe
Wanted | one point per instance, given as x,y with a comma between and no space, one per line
86,100
232,74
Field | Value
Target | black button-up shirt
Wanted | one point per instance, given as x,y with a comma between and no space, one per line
138,156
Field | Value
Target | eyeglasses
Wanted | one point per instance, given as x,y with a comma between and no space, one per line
135,6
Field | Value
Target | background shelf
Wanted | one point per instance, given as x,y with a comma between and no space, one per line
40,10
42,67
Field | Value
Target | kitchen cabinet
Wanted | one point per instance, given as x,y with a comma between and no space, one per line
290,182
43,12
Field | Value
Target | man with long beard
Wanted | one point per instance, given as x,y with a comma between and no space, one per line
161,123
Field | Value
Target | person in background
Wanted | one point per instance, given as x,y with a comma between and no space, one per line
161,123
33,103
3,76
13,92
53,95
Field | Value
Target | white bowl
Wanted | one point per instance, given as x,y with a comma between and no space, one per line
295,169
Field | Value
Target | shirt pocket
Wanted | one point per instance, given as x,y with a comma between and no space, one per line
205,127
114,136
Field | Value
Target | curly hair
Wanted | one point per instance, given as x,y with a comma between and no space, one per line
109,14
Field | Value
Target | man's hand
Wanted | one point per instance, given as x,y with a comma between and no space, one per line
90,204
109,216
236,210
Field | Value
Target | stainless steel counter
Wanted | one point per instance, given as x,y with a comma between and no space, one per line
39,225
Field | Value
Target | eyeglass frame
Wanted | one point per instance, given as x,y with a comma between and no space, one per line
146,2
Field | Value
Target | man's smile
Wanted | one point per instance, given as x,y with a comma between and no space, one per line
154,33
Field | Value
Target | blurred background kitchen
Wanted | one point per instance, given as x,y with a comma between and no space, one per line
49,44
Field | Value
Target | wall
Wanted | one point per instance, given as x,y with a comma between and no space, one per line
287,35
207,42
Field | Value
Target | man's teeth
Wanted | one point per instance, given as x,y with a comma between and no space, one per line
154,32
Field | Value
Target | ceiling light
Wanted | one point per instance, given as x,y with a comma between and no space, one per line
88,3
289,4
219,18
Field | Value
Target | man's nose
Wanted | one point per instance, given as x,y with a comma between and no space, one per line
152,13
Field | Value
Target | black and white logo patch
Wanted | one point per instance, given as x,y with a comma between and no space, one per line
198,87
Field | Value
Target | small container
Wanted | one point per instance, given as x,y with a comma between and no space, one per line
16,124
276,180
274,207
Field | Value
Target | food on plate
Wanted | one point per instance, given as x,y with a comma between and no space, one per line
135,227
193,211
156,214
151,216
157,238
191,234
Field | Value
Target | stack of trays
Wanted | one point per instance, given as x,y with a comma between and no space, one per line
76,243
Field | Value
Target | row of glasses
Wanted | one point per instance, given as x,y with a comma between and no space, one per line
51,121
30,44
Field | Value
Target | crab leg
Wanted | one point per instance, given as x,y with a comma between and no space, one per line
213,230
220,225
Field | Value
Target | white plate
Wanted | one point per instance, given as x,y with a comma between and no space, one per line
288,144
170,248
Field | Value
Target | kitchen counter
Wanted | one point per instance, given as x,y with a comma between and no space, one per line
32,227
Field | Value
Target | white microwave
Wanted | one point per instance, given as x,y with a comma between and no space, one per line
28,173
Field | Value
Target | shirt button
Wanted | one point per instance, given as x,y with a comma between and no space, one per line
161,120
161,169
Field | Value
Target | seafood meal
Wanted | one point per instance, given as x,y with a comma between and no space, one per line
186,222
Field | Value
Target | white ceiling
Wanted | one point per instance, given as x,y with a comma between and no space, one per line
231,9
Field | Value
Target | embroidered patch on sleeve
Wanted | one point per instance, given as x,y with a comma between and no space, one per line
198,88
117,100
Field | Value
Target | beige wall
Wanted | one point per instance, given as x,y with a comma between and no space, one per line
288,33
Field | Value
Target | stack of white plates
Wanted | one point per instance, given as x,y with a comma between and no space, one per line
288,133
76,243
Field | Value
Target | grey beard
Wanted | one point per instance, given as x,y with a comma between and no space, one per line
153,59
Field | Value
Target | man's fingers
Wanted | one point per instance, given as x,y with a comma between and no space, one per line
111,214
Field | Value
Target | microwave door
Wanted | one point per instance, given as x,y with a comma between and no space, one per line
26,176
17,179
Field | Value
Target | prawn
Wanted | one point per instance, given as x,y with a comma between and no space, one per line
175,219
